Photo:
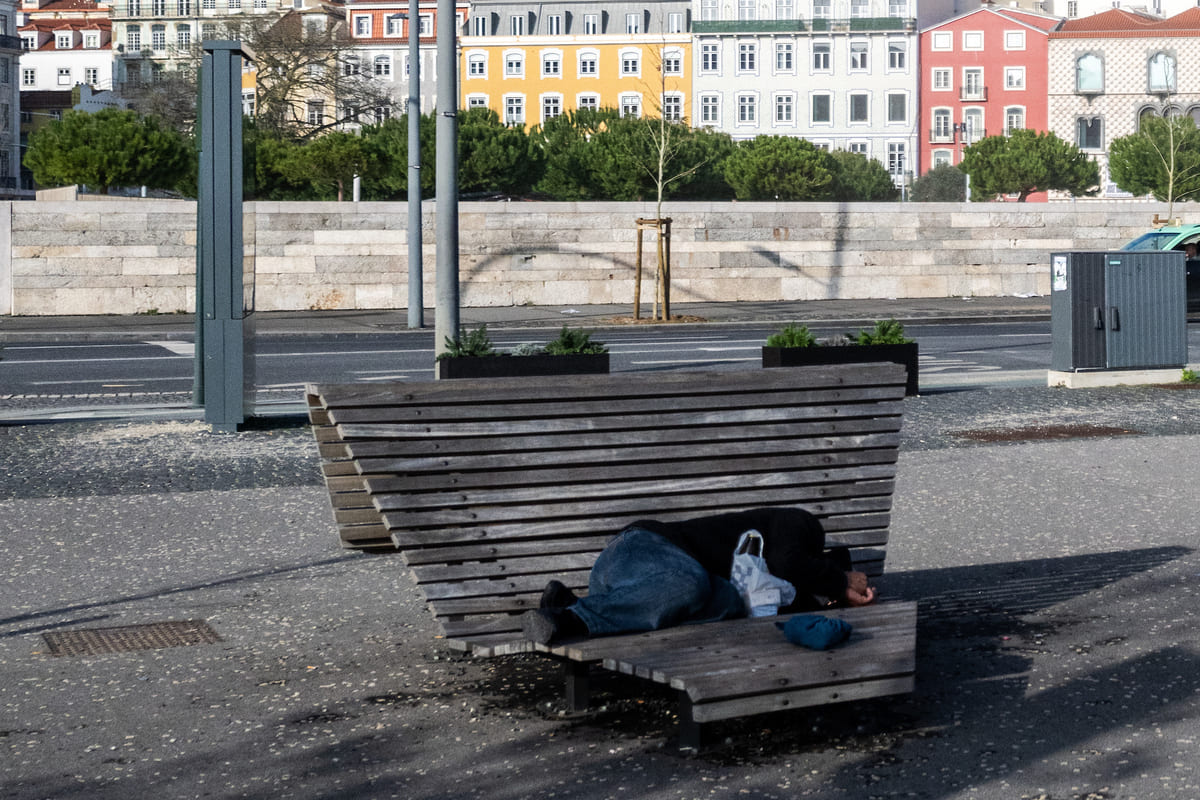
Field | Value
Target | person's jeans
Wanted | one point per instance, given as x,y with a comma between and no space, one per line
642,582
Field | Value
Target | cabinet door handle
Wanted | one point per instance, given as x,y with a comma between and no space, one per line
1098,317
1114,319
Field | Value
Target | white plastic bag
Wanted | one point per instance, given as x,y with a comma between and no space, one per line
762,592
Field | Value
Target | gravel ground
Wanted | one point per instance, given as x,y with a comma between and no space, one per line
1057,644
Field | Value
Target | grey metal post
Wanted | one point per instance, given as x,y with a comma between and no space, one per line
222,303
446,317
416,300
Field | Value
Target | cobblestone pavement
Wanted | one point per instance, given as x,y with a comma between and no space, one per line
1057,581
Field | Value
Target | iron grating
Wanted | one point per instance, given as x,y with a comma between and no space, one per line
127,638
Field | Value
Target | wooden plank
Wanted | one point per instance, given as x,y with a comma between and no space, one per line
506,549
412,501
507,567
802,698
838,402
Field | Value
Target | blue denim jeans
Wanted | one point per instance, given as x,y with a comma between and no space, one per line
642,582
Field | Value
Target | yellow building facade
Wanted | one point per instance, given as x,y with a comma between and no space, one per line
529,79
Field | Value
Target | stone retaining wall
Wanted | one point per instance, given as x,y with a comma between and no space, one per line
123,257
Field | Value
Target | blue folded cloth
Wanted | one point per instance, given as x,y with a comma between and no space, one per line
815,631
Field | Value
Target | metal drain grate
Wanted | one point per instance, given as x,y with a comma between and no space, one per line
126,638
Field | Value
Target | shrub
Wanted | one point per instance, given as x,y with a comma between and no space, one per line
469,343
885,332
572,342
792,336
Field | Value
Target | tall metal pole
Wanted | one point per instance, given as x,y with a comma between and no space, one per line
446,316
416,300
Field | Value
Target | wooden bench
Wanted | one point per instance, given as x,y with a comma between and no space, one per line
490,488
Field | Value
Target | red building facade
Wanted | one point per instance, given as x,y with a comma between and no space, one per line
982,73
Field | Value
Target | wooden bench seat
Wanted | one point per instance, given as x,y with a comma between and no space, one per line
491,488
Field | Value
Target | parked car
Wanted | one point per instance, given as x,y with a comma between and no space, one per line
1186,239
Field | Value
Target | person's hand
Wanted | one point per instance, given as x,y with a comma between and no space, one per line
858,590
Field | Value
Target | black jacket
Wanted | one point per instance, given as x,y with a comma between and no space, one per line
793,546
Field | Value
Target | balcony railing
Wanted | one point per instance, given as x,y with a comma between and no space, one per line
11,43
977,93
941,136
801,26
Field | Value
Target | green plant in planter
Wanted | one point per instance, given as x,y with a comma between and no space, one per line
792,336
885,332
574,342
469,343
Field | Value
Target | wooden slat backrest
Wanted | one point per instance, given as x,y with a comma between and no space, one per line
490,488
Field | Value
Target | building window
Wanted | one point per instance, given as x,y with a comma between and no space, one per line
477,66
28,76
589,64
747,109
554,26
362,25
184,8
942,158
821,56
673,63
822,109
91,76
896,160
208,5
91,40
393,25
710,10
1014,119
158,37
514,65
631,106
675,22
972,40
591,24
972,125
746,10
133,38
1014,40
183,36
783,57
709,55
897,8
383,66
479,25
860,8
516,25
514,110
972,86
235,5
897,55
747,56
631,64
1088,130
709,109
672,107
897,106
351,66
822,9
64,76
633,23
784,9
942,40
588,101
1161,70
158,8
862,148
1014,78
941,80
942,126
783,109
477,101
62,41
29,41
858,56
382,114
859,105
551,65
316,112
551,107
1089,74
1072,8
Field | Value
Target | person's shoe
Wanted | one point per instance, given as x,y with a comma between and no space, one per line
549,625
557,595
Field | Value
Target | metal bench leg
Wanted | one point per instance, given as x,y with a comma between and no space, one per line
577,689
690,737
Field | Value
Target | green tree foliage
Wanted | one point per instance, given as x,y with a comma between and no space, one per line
330,162
1025,162
780,168
389,141
564,141
112,147
494,157
1162,158
945,183
271,164
862,179
708,182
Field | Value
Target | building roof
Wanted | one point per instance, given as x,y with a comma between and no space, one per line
1030,19
1120,23
63,5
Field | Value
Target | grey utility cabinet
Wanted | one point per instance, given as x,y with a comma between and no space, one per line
1118,310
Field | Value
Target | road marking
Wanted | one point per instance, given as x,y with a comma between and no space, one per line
178,348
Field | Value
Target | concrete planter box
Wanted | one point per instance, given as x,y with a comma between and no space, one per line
505,366
905,354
